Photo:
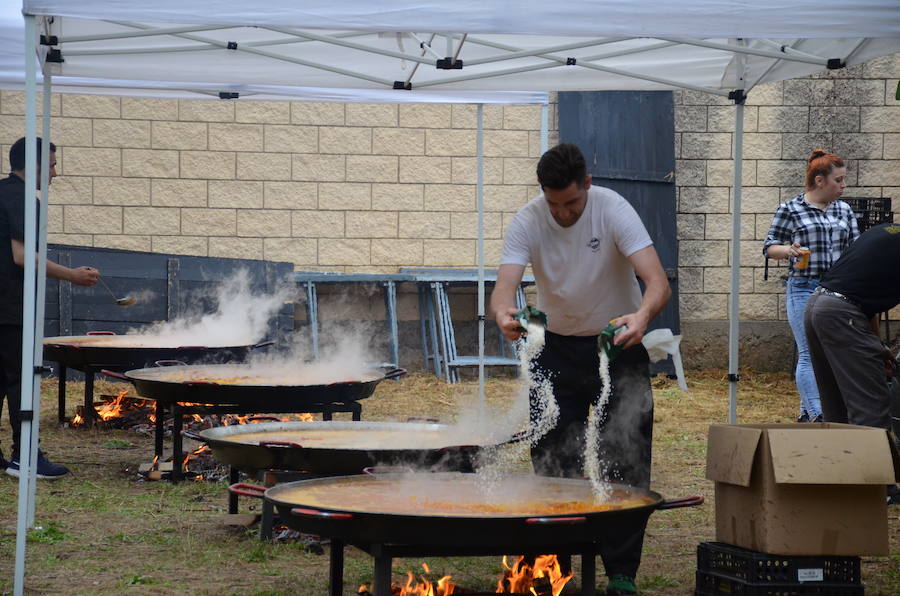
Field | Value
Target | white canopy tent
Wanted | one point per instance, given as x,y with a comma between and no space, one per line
509,51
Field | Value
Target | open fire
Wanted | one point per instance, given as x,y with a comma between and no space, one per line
542,576
124,412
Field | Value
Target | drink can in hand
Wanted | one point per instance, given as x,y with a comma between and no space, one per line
802,261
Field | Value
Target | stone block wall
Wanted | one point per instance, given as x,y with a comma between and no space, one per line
851,112
335,187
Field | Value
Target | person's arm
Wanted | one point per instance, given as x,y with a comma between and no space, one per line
503,299
780,232
656,294
783,251
80,276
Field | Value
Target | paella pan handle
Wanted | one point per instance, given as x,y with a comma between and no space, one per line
280,444
682,502
264,418
100,333
522,435
264,344
193,435
463,448
114,374
304,512
376,470
394,374
567,521
247,490
169,363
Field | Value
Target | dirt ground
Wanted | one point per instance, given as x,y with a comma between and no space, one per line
103,530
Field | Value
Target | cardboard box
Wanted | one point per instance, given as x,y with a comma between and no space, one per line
802,489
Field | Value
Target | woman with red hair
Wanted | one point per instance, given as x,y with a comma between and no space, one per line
812,230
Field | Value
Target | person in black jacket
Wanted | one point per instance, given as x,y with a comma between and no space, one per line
841,321
12,275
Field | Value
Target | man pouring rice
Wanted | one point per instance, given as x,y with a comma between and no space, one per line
585,244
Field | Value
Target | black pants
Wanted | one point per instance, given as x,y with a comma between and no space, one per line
848,359
11,378
571,364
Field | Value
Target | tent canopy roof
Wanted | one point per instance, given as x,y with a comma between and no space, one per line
390,50
608,18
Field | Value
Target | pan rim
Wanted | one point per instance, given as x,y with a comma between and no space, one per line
271,495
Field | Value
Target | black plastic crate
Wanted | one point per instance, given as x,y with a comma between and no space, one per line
759,568
868,219
877,204
714,584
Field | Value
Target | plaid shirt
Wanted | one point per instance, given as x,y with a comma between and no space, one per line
826,233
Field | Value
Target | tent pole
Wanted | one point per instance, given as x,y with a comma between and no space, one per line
479,194
734,304
41,285
734,310
28,320
545,127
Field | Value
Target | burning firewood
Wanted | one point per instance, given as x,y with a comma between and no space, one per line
124,412
527,576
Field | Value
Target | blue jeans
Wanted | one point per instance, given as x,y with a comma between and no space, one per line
799,289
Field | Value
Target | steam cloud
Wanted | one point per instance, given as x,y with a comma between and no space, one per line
241,317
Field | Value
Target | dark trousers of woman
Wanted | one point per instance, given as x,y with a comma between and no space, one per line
571,364
11,378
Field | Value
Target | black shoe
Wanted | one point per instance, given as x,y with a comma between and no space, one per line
818,419
46,470
804,417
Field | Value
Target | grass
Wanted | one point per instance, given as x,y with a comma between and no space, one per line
102,531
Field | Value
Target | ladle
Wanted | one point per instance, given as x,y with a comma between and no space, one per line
126,301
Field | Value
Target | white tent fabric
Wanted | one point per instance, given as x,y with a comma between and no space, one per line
503,45
692,18
422,50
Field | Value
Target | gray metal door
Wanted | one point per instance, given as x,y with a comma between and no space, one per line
627,138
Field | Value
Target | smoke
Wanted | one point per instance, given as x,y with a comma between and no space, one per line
344,355
241,316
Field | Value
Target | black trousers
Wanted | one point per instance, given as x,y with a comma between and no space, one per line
848,359
11,378
571,365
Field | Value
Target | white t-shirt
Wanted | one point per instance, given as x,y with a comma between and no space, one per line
583,276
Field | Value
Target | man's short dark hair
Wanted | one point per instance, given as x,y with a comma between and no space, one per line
560,166
17,154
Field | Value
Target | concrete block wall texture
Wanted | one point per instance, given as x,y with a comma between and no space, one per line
851,112
332,187
370,188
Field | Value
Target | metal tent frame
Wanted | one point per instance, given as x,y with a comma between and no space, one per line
86,62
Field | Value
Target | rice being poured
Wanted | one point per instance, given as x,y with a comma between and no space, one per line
592,462
547,408
497,464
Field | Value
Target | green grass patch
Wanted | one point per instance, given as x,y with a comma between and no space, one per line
48,533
